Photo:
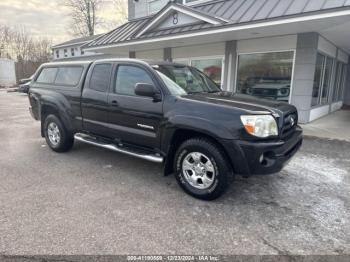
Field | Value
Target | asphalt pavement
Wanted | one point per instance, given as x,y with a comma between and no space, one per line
93,201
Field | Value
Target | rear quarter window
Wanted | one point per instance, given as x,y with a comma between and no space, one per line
100,78
69,76
47,75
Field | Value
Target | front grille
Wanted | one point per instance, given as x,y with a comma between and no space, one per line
290,122
264,92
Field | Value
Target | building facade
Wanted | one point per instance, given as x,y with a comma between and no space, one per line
71,50
292,50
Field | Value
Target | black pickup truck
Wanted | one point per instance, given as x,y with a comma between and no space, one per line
166,113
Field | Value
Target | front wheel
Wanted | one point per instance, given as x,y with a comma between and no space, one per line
56,135
202,169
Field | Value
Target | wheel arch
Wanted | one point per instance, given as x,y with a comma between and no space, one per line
48,109
179,136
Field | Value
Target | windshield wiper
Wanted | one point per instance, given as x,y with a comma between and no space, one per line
192,93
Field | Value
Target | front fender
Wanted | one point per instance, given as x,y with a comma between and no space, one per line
191,123
200,124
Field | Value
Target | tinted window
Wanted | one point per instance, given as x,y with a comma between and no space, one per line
47,75
69,76
100,77
128,77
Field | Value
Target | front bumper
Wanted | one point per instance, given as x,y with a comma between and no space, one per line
260,158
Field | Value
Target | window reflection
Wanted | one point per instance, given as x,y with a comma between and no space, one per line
211,67
320,62
265,75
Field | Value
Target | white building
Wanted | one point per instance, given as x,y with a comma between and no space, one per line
291,50
71,50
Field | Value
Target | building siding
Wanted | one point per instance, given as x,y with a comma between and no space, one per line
131,9
267,44
216,49
327,47
140,8
304,71
156,54
347,86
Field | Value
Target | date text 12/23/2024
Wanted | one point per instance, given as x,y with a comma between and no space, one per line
173,258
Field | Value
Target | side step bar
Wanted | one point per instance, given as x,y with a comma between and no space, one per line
92,141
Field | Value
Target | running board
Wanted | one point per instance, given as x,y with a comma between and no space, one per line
92,141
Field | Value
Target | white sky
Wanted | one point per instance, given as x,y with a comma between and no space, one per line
45,18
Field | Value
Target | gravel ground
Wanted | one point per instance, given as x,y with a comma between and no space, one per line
93,201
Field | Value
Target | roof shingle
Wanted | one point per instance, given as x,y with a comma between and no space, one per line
77,40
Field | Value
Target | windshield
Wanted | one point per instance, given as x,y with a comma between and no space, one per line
174,88
189,79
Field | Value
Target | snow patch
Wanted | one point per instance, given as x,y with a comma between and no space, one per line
319,165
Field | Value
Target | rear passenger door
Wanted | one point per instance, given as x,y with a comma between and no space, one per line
94,101
134,119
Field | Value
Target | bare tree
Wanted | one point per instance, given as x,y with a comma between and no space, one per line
42,50
121,7
5,41
22,43
119,16
84,14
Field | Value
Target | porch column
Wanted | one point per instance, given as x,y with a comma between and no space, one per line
230,65
304,71
347,86
132,54
167,56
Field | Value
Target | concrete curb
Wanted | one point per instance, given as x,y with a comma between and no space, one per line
9,90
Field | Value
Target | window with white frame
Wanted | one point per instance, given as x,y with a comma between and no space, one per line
265,75
322,80
342,88
327,80
339,82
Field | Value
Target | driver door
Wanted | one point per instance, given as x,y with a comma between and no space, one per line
134,119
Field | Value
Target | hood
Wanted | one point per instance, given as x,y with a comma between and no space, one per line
244,102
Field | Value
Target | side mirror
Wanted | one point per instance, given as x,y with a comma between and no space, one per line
147,90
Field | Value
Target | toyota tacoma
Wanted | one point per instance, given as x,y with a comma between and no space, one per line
165,113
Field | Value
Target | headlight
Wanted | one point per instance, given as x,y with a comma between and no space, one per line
260,125
283,92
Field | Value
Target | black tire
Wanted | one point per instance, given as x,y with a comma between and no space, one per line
220,165
66,139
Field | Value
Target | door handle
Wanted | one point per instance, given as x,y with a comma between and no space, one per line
114,103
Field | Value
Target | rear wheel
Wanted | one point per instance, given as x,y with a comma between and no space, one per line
56,135
202,169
